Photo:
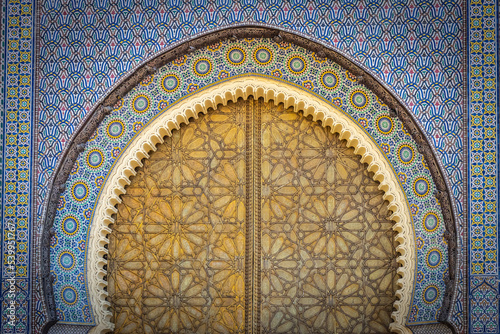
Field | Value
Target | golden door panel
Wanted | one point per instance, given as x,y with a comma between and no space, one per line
177,248
252,219
328,260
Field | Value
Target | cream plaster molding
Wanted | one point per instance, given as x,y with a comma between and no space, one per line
231,90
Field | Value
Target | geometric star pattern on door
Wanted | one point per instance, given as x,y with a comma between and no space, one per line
252,178
171,83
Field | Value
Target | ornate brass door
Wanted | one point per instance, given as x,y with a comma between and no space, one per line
252,219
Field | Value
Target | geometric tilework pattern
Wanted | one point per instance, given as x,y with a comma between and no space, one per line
215,63
483,138
483,166
415,47
2,100
484,305
16,151
69,329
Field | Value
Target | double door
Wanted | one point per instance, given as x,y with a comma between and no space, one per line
252,219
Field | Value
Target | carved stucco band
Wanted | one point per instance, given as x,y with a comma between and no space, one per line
231,90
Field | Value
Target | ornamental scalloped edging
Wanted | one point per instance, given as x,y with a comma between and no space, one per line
202,101
216,63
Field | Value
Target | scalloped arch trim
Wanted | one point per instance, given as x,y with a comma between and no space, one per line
222,93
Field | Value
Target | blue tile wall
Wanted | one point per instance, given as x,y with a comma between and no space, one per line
417,47
184,76
414,46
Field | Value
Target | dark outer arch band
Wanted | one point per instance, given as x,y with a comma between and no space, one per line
364,76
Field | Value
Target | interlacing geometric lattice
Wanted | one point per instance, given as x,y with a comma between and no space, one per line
177,249
252,218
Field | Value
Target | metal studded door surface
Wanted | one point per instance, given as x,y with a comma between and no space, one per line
252,219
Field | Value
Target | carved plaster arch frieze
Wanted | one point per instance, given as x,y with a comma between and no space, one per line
231,90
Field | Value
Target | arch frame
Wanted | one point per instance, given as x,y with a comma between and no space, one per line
148,66
171,119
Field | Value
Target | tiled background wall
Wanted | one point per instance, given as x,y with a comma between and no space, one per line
416,47
70,245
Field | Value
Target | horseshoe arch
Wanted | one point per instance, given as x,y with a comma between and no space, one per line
284,90
222,93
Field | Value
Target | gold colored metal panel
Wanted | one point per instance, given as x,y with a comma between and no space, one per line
252,219
328,252
177,251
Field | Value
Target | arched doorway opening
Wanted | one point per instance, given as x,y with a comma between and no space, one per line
128,126
253,218
161,127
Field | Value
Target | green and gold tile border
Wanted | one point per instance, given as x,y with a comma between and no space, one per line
18,48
